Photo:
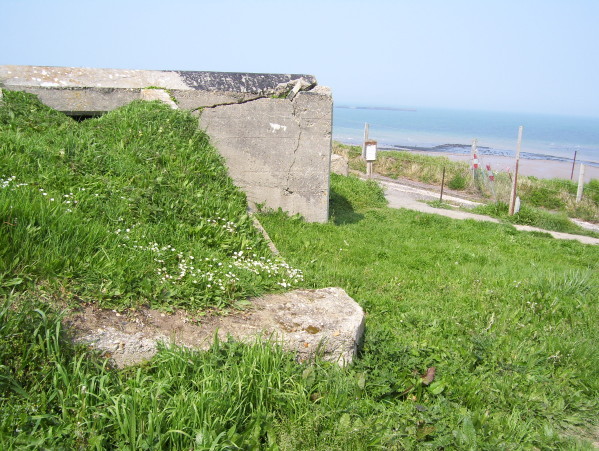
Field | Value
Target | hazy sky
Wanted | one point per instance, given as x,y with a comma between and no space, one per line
513,55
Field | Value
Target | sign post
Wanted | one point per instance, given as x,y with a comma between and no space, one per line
370,154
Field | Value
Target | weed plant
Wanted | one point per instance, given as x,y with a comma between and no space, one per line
134,207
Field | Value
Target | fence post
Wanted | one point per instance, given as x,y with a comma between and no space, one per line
442,185
473,158
573,163
515,181
580,184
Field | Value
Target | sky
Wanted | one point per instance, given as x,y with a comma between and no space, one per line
539,56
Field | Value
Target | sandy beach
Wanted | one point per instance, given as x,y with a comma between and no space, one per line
545,169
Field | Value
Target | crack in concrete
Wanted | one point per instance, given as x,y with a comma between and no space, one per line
260,96
238,102
299,140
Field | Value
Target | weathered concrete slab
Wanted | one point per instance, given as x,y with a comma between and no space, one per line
83,77
326,322
274,130
277,151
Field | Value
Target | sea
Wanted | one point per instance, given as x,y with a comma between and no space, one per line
546,137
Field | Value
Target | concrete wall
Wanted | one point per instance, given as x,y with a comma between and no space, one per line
274,130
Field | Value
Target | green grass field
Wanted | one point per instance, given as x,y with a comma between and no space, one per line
507,319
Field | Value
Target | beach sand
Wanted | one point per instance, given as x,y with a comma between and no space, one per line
544,169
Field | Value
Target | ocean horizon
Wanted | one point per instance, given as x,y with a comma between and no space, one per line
545,136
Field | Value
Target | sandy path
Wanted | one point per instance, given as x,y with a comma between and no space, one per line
401,195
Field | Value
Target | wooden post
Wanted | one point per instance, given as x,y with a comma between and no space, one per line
473,151
442,185
573,163
365,139
580,183
515,182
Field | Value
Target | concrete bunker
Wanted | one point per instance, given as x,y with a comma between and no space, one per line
274,130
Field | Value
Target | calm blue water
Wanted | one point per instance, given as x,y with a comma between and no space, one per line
544,137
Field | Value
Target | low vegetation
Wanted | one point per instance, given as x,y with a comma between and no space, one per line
477,336
506,318
538,196
131,208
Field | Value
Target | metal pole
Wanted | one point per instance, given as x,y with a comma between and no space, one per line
573,163
442,185
515,182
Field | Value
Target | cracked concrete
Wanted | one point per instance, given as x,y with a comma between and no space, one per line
299,140
274,130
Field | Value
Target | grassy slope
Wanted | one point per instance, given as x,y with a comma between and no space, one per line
508,319
133,207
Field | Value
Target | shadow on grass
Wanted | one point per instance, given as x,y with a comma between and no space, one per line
341,210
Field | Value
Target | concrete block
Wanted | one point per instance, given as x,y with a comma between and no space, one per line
277,150
326,322
82,101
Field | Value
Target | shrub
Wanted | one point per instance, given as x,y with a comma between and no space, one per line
457,182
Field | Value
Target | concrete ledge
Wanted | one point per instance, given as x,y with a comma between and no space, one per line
274,130
325,322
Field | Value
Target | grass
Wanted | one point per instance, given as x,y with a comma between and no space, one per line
423,168
507,319
131,208
440,204
57,396
534,217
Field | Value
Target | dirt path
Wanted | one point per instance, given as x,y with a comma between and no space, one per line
410,195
